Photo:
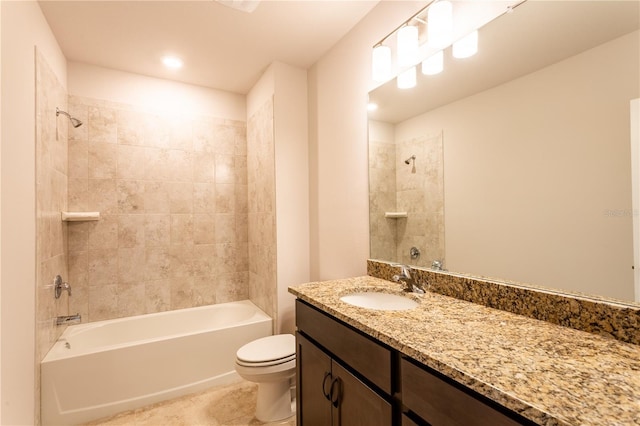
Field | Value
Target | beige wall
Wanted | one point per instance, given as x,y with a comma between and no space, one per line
292,187
532,172
338,86
23,27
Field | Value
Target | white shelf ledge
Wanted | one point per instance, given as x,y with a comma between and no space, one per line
395,215
80,216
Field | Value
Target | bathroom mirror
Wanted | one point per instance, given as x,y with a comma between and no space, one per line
533,135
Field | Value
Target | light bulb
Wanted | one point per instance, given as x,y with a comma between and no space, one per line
407,45
381,63
440,24
433,64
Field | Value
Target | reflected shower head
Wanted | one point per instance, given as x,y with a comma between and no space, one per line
408,160
74,121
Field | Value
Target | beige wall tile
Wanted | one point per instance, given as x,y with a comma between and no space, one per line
204,228
102,160
131,231
182,229
157,230
157,263
131,162
157,295
130,261
102,126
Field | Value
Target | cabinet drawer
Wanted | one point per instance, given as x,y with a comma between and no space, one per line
369,358
442,403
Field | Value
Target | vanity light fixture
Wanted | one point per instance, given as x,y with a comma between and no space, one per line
172,62
467,46
434,64
400,51
372,106
381,63
440,24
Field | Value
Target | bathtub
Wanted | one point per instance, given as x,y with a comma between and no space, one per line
101,368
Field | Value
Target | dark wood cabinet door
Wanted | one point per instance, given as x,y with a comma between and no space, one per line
313,368
442,404
356,404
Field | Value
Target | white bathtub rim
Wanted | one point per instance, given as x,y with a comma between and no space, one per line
59,352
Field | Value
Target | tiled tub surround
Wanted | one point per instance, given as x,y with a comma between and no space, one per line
171,190
550,374
581,312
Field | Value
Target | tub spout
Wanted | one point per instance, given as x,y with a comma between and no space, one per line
68,319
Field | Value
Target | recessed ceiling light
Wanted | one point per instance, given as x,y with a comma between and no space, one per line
172,62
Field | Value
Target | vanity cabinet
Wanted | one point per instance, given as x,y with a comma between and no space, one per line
328,390
348,378
439,402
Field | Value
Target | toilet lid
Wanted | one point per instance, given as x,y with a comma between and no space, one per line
269,348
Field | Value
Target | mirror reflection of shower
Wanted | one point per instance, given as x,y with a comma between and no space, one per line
74,121
409,161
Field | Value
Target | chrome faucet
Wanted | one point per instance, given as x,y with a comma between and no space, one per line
68,319
405,277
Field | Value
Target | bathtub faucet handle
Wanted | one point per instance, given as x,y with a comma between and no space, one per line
59,286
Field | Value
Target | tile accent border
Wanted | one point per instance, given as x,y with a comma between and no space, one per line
599,316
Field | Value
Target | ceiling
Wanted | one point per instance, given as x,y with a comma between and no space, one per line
537,34
221,47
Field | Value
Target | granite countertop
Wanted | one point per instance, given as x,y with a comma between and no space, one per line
550,374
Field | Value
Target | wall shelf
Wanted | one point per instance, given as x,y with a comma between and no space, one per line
79,216
395,215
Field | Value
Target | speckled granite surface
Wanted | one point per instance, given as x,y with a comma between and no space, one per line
601,316
550,374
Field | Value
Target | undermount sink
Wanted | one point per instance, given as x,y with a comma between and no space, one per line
380,301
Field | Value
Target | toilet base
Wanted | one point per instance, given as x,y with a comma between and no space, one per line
274,401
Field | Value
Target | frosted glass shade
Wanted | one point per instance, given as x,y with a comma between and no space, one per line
433,64
381,63
466,46
407,79
440,24
407,45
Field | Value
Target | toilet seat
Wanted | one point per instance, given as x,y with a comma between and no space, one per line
266,363
267,351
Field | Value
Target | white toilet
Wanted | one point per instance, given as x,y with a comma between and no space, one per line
270,362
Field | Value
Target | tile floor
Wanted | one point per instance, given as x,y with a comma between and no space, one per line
231,405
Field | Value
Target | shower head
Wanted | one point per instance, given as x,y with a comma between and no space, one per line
74,121
408,160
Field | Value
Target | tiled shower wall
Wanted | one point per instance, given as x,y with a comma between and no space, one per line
416,188
382,198
51,189
420,192
172,194
262,211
